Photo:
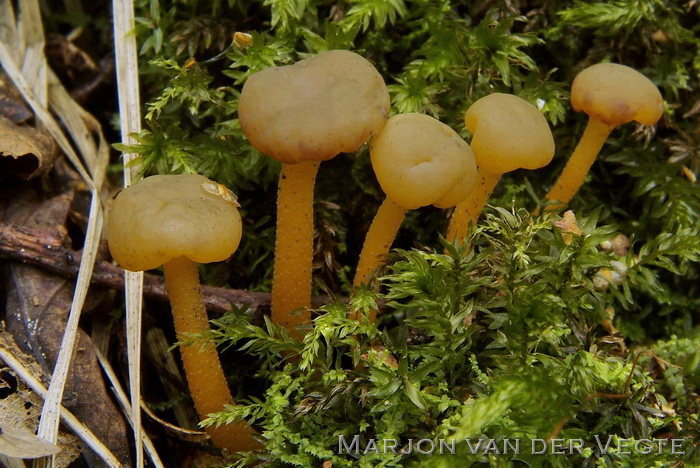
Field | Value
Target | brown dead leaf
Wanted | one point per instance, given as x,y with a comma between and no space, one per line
78,71
36,313
12,105
20,409
620,244
381,354
70,59
569,226
194,458
24,444
25,152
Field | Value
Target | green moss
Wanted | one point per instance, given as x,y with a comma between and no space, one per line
508,340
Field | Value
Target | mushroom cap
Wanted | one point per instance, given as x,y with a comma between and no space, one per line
420,161
615,94
509,133
167,216
314,109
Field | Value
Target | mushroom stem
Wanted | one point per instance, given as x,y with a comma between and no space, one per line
468,211
581,161
379,238
291,284
205,376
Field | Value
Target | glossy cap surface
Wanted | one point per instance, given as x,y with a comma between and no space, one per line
615,94
167,216
314,109
420,161
509,133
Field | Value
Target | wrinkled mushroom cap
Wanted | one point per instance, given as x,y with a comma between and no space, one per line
509,133
420,161
167,216
314,109
615,94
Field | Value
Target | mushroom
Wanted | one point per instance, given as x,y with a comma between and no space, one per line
178,221
509,133
418,161
611,95
300,115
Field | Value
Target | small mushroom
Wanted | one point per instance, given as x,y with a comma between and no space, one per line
300,115
418,161
178,221
611,95
509,133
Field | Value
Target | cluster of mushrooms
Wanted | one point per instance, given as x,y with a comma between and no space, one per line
310,112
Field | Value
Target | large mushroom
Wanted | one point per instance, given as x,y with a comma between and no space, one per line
611,95
300,115
509,133
178,221
419,161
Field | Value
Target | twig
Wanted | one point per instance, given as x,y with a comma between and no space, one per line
634,366
45,249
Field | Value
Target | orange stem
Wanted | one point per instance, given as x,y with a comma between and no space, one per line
579,164
379,238
468,211
291,284
205,377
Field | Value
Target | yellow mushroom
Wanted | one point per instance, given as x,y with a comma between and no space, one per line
509,133
178,221
302,114
611,95
418,161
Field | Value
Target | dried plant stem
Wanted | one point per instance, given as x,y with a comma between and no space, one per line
124,401
126,60
28,71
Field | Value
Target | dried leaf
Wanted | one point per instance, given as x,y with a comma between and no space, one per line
619,245
12,106
73,62
20,409
568,226
21,444
199,459
25,152
38,305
